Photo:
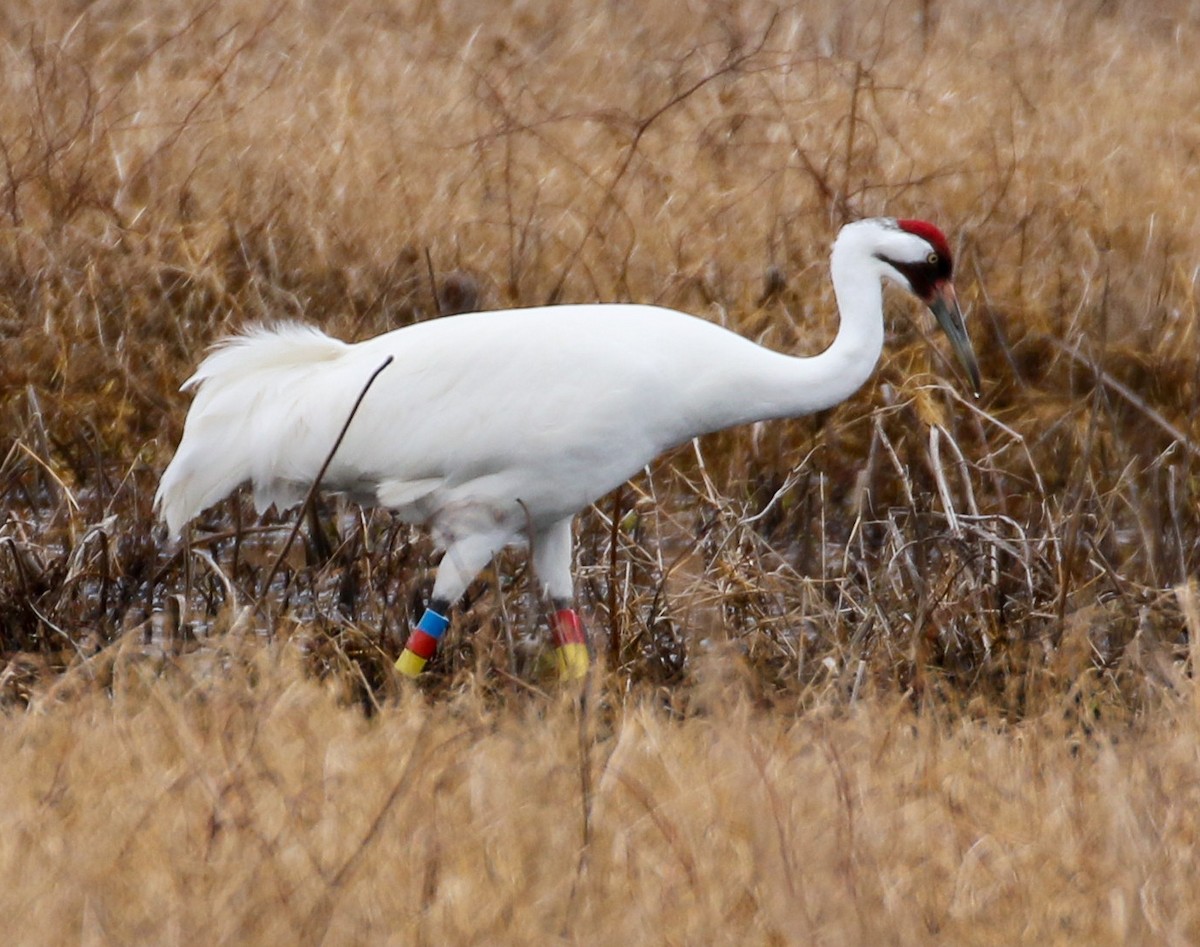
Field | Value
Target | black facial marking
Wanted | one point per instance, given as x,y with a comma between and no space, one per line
926,275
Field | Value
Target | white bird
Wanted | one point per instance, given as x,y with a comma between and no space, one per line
496,428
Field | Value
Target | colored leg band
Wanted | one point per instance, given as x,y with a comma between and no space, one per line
571,661
409,664
568,629
422,643
570,645
433,624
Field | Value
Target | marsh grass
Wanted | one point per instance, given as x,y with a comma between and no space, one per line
231,797
918,668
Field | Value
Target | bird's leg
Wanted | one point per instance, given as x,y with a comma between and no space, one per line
552,562
423,640
570,643
462,562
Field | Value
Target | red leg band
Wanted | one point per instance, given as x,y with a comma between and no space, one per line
567,628
422,644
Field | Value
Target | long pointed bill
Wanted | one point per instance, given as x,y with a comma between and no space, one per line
944,305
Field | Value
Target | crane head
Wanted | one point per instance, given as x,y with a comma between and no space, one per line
921,262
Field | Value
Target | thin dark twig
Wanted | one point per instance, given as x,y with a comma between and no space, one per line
583,710
614,622
433,288
312,490
322,912
735,60
1154,416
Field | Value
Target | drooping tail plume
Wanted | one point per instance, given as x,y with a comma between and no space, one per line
242,425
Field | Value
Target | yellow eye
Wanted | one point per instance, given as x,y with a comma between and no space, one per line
932,259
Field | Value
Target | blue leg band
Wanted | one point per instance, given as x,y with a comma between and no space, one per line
433,624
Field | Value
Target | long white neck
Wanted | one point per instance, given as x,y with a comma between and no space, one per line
758,384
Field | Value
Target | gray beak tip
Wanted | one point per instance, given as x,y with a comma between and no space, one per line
944,305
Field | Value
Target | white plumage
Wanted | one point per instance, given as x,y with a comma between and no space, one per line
489,427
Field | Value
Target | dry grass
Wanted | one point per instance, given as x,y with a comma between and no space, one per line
239,804
917,669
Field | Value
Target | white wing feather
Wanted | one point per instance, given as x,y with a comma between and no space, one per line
530,413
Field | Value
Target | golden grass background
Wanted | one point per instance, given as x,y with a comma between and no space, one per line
915,670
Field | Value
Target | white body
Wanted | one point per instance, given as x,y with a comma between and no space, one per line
492,427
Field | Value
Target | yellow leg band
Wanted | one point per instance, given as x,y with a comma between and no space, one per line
409,664
571,661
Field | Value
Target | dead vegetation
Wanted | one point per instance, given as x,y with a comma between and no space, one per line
944,646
